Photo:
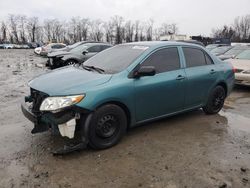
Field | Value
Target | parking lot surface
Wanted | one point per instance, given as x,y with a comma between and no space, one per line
187,150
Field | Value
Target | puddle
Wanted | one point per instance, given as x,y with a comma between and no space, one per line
237,121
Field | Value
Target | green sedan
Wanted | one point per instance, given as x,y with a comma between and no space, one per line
125,86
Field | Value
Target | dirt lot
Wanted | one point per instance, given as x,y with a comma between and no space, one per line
188,150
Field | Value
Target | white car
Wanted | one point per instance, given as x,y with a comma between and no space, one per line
8,46
241,64
38,50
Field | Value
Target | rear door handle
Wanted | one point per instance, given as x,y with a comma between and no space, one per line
180,77
212,71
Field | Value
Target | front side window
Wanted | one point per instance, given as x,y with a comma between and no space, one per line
209,61
194,57
164,60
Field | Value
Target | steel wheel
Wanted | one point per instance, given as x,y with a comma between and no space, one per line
215,100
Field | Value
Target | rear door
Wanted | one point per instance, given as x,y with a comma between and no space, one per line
164,92
201,74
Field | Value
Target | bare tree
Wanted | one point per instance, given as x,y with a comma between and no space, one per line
96,30
149,29
22,21
118,26
48,29
13,23
137,25
3,32
109,32
32,28
173,28
225,32
129,31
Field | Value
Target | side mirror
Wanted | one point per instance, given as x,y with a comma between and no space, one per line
144,71
85,52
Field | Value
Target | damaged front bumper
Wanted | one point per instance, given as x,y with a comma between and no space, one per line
63,121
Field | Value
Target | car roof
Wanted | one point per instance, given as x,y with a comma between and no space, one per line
96,43
154,44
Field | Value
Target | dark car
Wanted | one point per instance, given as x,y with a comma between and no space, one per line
125,86
233,52
76,55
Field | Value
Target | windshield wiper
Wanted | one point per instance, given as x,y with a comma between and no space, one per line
89,68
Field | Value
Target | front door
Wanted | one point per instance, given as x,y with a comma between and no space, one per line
164,92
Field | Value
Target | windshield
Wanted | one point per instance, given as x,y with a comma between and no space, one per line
79,49
244,55
116,59
221,49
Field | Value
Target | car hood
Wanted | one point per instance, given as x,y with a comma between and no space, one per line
243,64
58,53
68,81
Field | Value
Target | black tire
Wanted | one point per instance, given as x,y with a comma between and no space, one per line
215,100
71,62
106,127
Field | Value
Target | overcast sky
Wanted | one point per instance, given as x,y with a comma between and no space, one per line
193,17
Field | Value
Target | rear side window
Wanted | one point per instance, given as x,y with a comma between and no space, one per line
194,57
164,60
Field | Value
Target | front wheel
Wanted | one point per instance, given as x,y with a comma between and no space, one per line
215,100
106,126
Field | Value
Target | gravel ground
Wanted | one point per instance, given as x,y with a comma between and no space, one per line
187,150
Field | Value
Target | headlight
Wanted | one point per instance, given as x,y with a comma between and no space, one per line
56,103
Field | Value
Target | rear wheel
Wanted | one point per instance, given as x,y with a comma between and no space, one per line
215,100
106,126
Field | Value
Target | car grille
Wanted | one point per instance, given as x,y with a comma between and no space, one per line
37,98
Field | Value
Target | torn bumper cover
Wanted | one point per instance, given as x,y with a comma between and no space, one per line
43,121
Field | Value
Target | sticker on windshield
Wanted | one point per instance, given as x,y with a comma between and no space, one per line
140,47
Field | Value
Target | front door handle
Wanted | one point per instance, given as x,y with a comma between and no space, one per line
212,71
180,77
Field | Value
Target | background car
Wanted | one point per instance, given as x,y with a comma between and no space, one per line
38,50
213,46
233,52
220,50
76,55
8,46
192,42
241,64
70,47
48,48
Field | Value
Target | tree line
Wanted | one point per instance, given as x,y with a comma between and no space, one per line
20,29
238,31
